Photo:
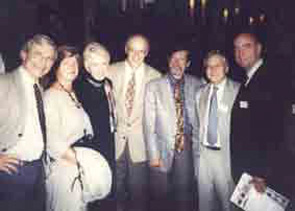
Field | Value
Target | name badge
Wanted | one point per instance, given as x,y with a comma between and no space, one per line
244,104
223,108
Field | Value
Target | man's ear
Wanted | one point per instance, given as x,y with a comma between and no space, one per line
23,55
126,49
259,49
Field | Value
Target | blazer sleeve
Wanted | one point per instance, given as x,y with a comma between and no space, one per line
149,123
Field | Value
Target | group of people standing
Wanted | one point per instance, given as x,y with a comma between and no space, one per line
124,137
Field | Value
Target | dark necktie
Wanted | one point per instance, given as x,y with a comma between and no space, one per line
112,105
213,120
41,115
179,139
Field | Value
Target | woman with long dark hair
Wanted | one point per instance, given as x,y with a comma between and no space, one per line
75,175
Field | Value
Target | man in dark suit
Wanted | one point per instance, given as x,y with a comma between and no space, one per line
22,128
255,128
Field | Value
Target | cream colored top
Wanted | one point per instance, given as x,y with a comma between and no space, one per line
66,123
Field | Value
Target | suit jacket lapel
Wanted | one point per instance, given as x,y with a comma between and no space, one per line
187,89
121,75
19,95
204,102
139,93
119,84
169,99
228,93
259,72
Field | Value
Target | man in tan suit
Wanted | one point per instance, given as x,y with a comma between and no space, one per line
129,79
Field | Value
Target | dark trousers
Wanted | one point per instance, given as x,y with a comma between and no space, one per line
24,190
131,183
173,190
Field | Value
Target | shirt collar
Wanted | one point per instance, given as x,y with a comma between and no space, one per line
173,81
221,85
254,68
130,69
27,78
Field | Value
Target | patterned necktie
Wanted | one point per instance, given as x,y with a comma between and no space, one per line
130,93
41,115
179,139
212,124
112,106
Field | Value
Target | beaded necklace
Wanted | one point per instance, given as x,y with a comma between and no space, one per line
70,93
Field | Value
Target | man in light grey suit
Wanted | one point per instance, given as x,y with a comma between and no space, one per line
129,80
22,129
168,126
214,102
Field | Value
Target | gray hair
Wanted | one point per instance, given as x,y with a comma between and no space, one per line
214,53
38,39
97,49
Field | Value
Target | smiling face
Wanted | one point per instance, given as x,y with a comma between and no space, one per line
68,69
38,60
136,50
247,50
216,69
178,62
97,65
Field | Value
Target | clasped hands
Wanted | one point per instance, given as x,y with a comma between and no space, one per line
9,163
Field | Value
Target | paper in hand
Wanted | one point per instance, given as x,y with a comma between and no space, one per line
247,198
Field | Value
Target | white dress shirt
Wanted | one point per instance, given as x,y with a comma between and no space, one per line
30,146
219,93
65,122
253,70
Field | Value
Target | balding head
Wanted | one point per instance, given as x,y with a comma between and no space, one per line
247,50
136,49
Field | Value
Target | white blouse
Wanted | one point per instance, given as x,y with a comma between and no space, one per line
65,122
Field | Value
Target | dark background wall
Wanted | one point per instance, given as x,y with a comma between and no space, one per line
166,22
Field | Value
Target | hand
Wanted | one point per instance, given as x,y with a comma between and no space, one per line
259,184
9,164
69,157
156,163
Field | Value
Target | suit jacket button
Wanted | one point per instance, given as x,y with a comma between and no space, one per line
128,124
20,135
4,150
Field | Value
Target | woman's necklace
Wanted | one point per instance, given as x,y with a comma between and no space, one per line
77,103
